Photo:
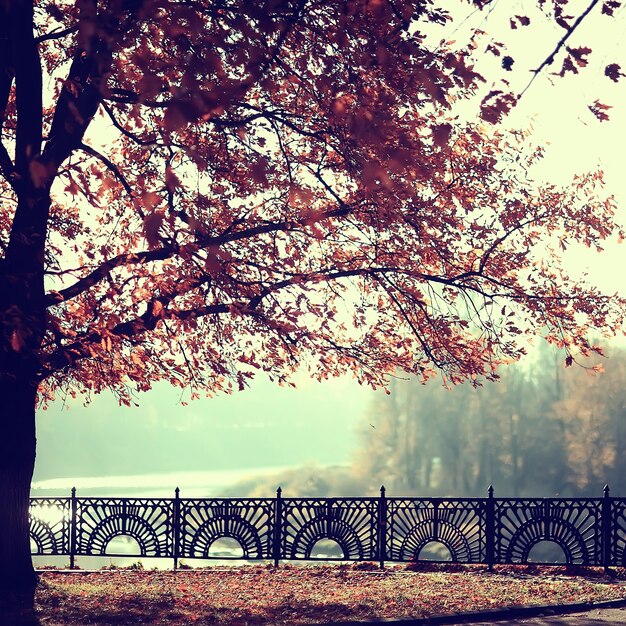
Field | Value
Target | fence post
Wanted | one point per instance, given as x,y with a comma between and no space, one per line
490,530
278,523
606,529
382,528
176,527
73,533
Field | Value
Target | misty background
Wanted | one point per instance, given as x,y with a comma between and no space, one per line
544,429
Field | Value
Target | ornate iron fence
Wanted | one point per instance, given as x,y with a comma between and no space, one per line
588,531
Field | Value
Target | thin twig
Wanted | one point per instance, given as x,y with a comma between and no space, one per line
550,58
110,165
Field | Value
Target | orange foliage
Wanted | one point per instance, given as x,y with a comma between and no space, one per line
226,188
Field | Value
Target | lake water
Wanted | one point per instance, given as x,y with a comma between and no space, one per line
192,484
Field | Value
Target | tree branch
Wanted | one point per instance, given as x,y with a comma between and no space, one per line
28,88
168,252
7,71
550,58
57,34
110,165
81,93
124,131
66,356
6,167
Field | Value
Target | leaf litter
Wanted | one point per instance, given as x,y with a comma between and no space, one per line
306,594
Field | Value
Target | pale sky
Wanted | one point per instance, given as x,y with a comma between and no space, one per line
556,107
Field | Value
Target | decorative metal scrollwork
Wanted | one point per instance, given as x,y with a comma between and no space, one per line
572,524
473,530
457,524
147,521
618,532
50,525
248,521
350,522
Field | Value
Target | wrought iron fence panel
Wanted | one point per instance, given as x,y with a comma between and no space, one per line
350,522
149,521
573,524
50,526
458,524
249,521
617,533
588,531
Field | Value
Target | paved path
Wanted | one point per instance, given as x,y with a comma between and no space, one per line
595,617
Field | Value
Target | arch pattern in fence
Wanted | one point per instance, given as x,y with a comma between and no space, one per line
574,525
350,522
148,521
458,524
50,525
588,531
205,521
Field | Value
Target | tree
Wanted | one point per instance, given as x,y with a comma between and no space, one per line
196,191
591,413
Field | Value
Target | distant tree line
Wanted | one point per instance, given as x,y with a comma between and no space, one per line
543,429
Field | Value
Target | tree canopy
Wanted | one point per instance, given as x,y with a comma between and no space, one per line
223,176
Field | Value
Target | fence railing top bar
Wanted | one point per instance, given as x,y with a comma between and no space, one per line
547,499
436,499
176,495
331,499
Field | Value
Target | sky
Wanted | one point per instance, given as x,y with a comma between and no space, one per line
575,142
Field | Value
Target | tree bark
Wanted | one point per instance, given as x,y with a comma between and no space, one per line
22,327
17,461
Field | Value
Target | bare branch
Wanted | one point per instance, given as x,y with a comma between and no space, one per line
57,34
124,131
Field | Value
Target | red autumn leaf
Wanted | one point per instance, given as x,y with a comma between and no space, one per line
157,309
177,116
494,48
613,71
441,134
172,182
609,7
495,105
600,110
580,54
521,20
151,226
258,171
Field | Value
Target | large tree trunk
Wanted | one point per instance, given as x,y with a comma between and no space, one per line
17,460
22,328
22,299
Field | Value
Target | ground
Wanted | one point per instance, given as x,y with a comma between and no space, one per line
306,594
